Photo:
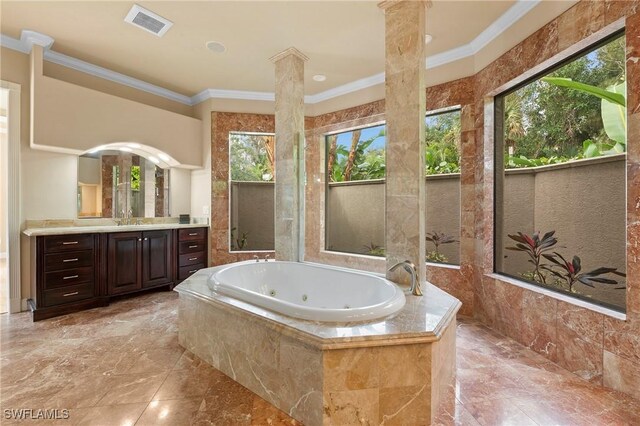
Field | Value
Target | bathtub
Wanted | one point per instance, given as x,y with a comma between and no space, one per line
310,292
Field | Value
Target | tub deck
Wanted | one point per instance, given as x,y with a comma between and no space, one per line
398,369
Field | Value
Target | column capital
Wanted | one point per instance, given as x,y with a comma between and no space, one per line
290,51
384,5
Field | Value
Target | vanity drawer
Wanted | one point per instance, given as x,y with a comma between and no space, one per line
68,294
68,243
186,271
190,259
192,234
191,247
73,259
68,277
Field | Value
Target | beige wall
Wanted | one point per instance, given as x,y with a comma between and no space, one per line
179,192
3,193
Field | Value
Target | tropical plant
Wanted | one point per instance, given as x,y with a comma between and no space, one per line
238,243
569,272
359,162
442,141
374,250
438,239
613,112
535,247
512,162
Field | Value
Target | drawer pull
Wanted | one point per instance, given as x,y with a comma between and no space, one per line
193,234
70,294
69,260
191,272
195,246
66,243
193,258
70,277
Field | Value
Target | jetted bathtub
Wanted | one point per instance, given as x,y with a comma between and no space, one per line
308,291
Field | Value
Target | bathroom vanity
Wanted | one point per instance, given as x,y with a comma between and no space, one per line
83,267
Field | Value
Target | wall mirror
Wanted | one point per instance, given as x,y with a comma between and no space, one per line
251,191
115,183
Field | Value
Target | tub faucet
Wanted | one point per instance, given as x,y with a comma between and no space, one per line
411,269
256,258
266,258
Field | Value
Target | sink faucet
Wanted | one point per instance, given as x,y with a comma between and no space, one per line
410,268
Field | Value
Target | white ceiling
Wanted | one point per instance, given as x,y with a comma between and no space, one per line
343,39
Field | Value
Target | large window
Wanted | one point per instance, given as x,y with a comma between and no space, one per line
355,197
355,191
443,187
560,178
251,184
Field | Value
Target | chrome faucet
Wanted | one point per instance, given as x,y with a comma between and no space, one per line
256,258
266,258
411,269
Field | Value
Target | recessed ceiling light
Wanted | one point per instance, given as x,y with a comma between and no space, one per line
133,145
163,156
216,46
427,38
319,77
125,149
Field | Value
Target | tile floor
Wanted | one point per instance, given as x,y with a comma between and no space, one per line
122,365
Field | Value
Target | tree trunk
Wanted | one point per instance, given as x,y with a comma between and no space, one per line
269,144
333,146
355,138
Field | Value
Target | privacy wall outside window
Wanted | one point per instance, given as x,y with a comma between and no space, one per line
355,196
561,181
251,191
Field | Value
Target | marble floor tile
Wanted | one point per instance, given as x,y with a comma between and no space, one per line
122,365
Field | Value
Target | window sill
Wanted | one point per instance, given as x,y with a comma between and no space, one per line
558,296
443,265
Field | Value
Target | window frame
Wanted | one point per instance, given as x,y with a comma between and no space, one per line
499,169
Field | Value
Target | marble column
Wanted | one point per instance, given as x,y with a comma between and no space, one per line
289,117
405,58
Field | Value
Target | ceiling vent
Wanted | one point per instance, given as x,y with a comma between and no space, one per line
148,21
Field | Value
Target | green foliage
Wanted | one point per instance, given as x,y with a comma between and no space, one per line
544,120
248,160
135,178
522,161
368,163
374,250
442,154
435,257
570,273
534,247
238,243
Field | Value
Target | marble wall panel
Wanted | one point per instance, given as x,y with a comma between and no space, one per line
222,123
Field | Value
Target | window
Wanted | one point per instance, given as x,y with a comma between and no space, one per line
355,191
443,187
251,184
560,178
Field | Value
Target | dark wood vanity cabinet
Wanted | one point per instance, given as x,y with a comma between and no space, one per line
81,271
137,260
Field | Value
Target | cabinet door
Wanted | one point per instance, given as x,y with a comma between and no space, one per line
124,262
157,264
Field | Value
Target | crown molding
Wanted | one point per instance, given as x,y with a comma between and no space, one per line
116,77
29,38
231,94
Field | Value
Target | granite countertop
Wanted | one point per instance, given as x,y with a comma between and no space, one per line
422,319
89,229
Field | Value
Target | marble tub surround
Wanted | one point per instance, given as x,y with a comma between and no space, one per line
405,55
323,373
289,118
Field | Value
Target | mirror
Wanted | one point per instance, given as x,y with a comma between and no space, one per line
251,191
113,184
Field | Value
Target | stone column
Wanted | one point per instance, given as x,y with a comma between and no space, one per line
405,58
289,117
